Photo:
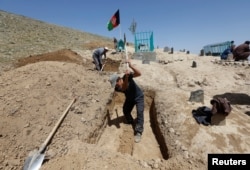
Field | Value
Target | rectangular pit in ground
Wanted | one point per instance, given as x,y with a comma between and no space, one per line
119,136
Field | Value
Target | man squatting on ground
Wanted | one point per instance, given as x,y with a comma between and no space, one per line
97,57
242,52
133,97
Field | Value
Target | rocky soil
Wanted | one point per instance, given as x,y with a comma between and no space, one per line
44,67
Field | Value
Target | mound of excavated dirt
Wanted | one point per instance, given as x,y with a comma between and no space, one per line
93,135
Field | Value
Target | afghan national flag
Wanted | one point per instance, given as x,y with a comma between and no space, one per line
114,21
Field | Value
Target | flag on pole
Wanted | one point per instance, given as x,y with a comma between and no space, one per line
114,21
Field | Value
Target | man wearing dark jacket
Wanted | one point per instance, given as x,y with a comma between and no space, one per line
242,51
134,97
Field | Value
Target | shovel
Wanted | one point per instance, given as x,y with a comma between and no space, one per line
35,158
103,66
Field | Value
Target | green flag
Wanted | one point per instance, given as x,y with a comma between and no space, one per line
114,21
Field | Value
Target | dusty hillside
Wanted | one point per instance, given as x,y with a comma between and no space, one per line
38,86
22,36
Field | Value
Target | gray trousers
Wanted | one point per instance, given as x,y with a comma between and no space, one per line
98,61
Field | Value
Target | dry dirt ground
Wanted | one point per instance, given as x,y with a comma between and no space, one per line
93,135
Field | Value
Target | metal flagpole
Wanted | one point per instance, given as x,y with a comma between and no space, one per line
120,31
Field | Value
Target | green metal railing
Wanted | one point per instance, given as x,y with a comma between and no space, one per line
144,42
217,48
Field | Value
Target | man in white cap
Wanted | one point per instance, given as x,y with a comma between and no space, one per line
97,57
134,97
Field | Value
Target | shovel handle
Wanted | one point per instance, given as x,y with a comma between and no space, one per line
103,66
42,148
126,56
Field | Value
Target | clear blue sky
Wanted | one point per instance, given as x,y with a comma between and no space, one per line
181,24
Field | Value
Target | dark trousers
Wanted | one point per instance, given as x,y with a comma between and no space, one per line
242,56
127,109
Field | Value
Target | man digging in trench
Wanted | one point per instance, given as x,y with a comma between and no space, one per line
133,96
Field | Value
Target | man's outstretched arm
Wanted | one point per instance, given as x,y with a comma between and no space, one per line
137,72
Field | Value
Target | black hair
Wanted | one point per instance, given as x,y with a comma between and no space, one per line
247,42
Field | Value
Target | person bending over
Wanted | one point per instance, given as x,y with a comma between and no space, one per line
97,57
133,97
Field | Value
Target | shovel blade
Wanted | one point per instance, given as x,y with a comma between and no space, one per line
34,162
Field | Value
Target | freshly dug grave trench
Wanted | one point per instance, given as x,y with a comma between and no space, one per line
119,136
